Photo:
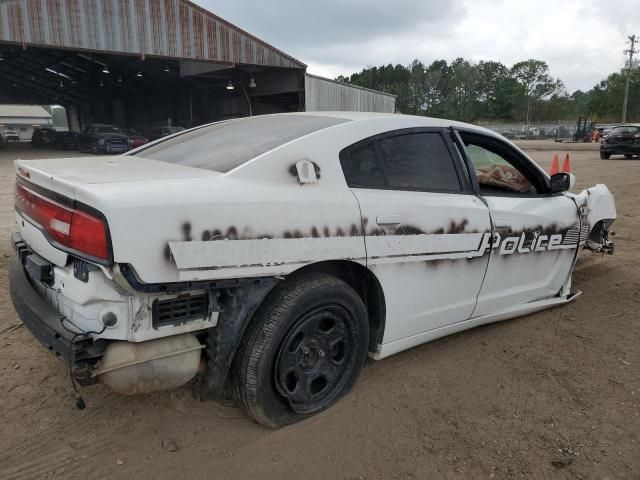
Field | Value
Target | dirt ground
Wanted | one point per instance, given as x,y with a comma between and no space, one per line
550,395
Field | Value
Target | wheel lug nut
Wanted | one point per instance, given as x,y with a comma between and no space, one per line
321,353
305,350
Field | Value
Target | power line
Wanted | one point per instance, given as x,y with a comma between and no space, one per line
630,51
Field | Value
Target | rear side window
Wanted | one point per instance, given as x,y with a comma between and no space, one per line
362,167
414,161
224,146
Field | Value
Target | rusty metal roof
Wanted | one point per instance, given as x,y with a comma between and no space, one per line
163,28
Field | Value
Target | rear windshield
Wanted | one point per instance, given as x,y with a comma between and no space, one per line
223,146
624,130
106,129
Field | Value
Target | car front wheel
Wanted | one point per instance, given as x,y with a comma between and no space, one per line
605,156
305,348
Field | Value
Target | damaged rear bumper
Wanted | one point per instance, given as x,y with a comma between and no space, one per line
43,321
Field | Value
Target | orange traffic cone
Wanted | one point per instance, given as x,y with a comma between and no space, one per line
566,165
555,167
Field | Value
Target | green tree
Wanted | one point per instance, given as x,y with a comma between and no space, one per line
605,99
490,91
535,82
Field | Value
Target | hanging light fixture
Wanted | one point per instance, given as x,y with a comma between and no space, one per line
230,86
166,69
120,79
101,83
105,69
61,84
139,75
1,57
252,83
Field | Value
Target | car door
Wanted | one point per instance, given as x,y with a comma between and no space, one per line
535,233
422,225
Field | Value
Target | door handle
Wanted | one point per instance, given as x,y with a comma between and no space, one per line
502,225
388,219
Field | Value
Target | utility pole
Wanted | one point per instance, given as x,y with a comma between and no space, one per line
631,51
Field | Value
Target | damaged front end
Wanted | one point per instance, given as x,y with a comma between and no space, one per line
598,240
598,204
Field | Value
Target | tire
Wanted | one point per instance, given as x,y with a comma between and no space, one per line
605,156
303,350
628,155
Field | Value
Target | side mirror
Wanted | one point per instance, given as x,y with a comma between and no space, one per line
562,182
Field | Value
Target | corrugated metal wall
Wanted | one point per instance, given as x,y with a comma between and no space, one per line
166,28
322,94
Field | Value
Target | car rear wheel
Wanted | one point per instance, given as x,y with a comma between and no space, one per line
304,351
605,156
628,155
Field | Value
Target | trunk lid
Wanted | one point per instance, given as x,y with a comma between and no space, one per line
64,175
77,179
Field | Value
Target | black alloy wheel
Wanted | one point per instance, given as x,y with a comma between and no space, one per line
313,359
302,351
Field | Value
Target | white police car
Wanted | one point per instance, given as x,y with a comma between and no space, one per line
273,254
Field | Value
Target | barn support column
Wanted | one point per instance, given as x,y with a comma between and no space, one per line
73,118
119,117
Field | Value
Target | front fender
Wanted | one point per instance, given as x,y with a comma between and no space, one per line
599,202
599,208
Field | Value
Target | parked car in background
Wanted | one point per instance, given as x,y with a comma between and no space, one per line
284,249
43,137
606,131
136,139
66,140
160,132
623,140
101,138
12,136
3,142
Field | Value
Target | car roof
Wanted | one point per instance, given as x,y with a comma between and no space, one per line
372,116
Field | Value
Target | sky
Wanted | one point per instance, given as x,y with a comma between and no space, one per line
581,40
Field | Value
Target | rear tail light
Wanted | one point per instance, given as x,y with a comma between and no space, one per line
73,229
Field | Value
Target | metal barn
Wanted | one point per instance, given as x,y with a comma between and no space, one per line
322,94
147,63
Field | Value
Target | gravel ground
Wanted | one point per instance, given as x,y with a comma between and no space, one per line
550,395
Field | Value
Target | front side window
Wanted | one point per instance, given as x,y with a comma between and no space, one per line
413,161
495,173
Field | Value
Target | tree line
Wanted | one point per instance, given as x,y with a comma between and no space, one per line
490,91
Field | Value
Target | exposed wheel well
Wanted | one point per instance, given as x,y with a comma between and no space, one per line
366,285
599,230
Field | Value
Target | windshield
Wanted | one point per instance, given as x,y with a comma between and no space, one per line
224,146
